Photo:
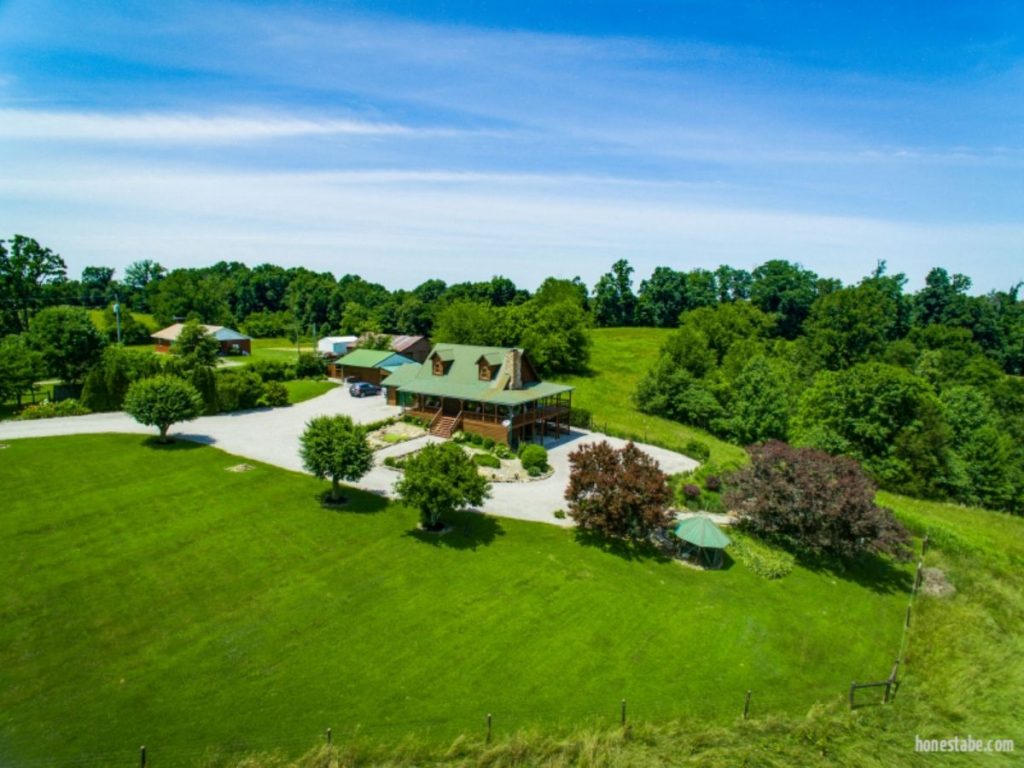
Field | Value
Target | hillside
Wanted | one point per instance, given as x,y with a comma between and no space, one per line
198,607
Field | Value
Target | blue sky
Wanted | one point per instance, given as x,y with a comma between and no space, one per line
405,140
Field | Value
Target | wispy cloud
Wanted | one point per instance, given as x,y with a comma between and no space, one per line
179,128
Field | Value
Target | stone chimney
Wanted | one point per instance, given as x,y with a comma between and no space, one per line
514,368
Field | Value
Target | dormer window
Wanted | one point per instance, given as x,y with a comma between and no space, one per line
485,372
438,366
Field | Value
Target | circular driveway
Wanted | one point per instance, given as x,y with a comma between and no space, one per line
271,435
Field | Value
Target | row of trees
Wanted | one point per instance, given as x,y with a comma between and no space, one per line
927,409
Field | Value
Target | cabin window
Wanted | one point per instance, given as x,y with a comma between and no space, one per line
438,367
485,372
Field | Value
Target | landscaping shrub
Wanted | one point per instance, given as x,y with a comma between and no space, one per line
273,370
488,443
392,461
695,449
502,451
487,460
275,394
238,390
691,491
475,439
533,456
764,560
460,437
107,382
50,410
559,514
713,483
534,471
373,426
581,417
310,366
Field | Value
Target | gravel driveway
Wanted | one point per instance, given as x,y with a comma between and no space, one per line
271,435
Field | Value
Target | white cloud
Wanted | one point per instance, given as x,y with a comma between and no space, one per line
37,125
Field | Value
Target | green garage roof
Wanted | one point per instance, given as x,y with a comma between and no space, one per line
372,358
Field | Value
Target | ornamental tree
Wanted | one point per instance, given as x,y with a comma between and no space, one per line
620,493
334,447
810,501
195,347
439,480
162,400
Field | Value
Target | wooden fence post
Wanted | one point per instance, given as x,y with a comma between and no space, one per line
623,711
328,736
853,688
924,545
142,757
907,624
746,705
488,727
918,576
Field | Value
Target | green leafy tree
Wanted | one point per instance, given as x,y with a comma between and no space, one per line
614,301
20,367
786,291
107,382
97,286
884,417
378,341
161,401
853,325
617,493
661,298
732,284
467,322
556,336
195,347
812,502
439,480
26,269
760,402
335,448
556,290
68,341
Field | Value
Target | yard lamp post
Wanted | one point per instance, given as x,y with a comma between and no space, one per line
117,318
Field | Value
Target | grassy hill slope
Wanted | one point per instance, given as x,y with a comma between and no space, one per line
150,596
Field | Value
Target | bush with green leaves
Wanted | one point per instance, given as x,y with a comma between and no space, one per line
50,410
238,390
273,370
488,443
310,366
460,437
486,460
581,417
698,450
333,447
161,401
763,559
108,380
275,394
502,451
533,456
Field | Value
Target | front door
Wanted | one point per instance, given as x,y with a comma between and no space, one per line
451,406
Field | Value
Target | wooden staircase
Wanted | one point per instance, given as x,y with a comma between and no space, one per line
444,426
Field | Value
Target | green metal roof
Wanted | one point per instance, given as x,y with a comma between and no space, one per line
462,377
372,358
700,530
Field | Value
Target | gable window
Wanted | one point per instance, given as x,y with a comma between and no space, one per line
485,372
438,367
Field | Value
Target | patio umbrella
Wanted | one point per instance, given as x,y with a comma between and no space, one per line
704,535
701,532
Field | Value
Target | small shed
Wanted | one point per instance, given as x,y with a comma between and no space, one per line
336,346
231,341
372,365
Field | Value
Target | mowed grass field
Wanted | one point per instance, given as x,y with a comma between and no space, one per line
619,359
149,596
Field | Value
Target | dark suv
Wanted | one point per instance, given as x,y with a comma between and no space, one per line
363,388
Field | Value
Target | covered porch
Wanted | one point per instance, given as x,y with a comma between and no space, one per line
533,420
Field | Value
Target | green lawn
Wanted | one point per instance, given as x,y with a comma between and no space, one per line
619,358
279,349
150,596
307,389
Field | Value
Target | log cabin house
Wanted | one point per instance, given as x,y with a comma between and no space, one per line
490,391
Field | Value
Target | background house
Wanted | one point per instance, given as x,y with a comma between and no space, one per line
415,347
231,341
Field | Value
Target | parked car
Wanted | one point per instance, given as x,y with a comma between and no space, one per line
363,388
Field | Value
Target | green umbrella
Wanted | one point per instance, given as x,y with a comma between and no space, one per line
700,531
